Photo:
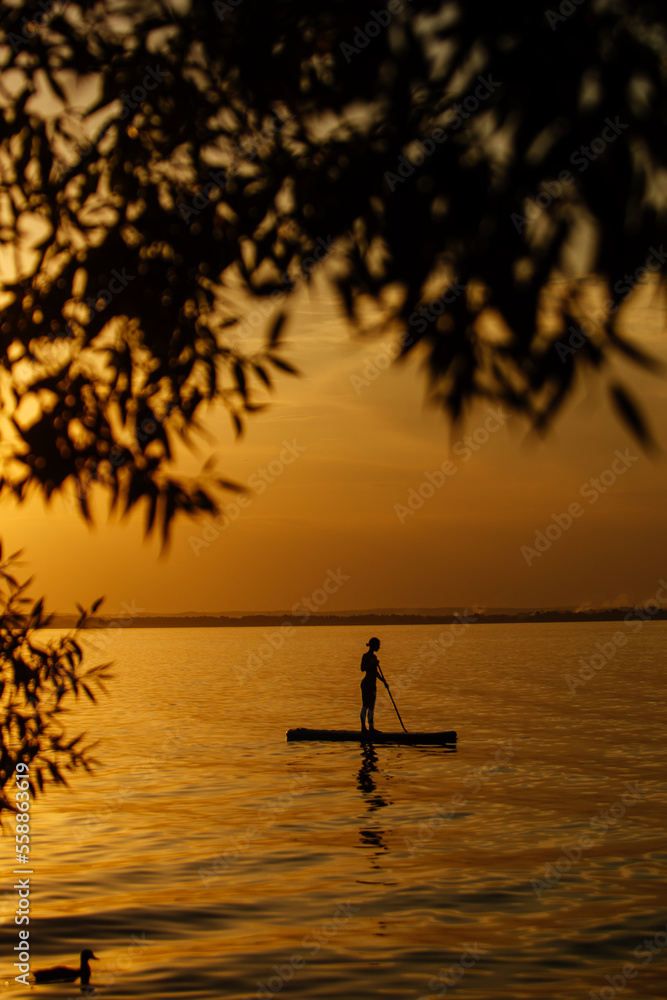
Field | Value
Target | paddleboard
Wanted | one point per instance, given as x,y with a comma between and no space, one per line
366,736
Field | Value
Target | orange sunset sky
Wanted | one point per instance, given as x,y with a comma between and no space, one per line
336,505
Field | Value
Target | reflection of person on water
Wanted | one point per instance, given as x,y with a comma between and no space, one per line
371,665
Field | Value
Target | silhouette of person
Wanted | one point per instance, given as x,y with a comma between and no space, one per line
370,664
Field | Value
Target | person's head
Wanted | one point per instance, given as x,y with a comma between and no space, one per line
373,644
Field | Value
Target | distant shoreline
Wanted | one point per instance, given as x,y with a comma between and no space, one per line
376,621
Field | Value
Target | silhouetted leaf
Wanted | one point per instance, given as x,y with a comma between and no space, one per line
630,414
277,329
239,375
261,372
151,512
635,353
444,182
44,675
226,484
284,366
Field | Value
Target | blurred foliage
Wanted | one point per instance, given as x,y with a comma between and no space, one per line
37,681
158,158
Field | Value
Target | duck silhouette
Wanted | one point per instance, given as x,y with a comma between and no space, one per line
62,974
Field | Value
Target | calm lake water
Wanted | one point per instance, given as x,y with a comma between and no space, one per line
209,858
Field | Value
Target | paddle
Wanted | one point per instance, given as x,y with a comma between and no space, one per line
381,675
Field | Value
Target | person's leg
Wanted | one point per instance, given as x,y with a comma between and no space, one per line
371,710
364,703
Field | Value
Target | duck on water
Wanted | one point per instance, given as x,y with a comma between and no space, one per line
62,974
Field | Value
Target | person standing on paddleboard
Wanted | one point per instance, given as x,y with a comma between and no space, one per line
370,665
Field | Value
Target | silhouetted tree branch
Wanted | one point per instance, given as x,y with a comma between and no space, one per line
37,682
469,163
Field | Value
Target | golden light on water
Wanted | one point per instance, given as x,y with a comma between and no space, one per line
204,823
205,855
